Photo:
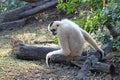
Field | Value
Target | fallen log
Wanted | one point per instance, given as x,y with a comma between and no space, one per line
27,10
22,51
30,1
86,67
33,53
43,42
16,24
98,66
13,24
92,63
37,53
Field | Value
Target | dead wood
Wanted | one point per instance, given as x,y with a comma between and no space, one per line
39,8
43,42
27,10
86,67
98,66
17,17
13,24
16,24
92,63
22,51
37,53
111,29
30,1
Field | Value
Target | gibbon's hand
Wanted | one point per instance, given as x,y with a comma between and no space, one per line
48,56
47,59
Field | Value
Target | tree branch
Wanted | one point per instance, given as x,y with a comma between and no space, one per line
112,30
27,10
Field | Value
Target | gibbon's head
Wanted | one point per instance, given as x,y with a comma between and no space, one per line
53,26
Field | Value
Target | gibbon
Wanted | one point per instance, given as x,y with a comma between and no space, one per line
71,38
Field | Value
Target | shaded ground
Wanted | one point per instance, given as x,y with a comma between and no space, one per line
15,69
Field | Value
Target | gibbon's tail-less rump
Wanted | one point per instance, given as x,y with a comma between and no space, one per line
71,38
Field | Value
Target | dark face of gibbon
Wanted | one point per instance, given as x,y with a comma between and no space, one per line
52,27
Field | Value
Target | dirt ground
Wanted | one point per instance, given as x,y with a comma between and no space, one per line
16,69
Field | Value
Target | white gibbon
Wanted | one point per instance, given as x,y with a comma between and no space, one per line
71,38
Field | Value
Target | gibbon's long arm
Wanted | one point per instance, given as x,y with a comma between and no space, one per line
48,56
90,40
63,40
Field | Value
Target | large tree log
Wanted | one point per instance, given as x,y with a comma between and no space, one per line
19,17
27,10
25,52
13,24
18,23
30,1
33,53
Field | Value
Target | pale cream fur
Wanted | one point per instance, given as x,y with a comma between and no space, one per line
71,39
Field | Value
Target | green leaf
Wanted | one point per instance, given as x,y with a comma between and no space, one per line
84,1
113,6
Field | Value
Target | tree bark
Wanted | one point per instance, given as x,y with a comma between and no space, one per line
25,52
92,63
16,24
27,10
17,17
86,67
33,53
111,29
30,1
43,42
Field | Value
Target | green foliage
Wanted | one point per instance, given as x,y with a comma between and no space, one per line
73,5
104,37
110,13
95,16
68,5
55,39
89,19
6,5
116,42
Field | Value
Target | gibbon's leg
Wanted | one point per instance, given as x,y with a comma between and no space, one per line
91,41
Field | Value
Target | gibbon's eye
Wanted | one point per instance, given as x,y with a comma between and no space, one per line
57,25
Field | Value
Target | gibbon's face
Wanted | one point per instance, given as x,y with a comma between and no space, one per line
53,26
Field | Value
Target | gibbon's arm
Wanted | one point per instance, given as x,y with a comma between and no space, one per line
90,40
48,56
63,40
